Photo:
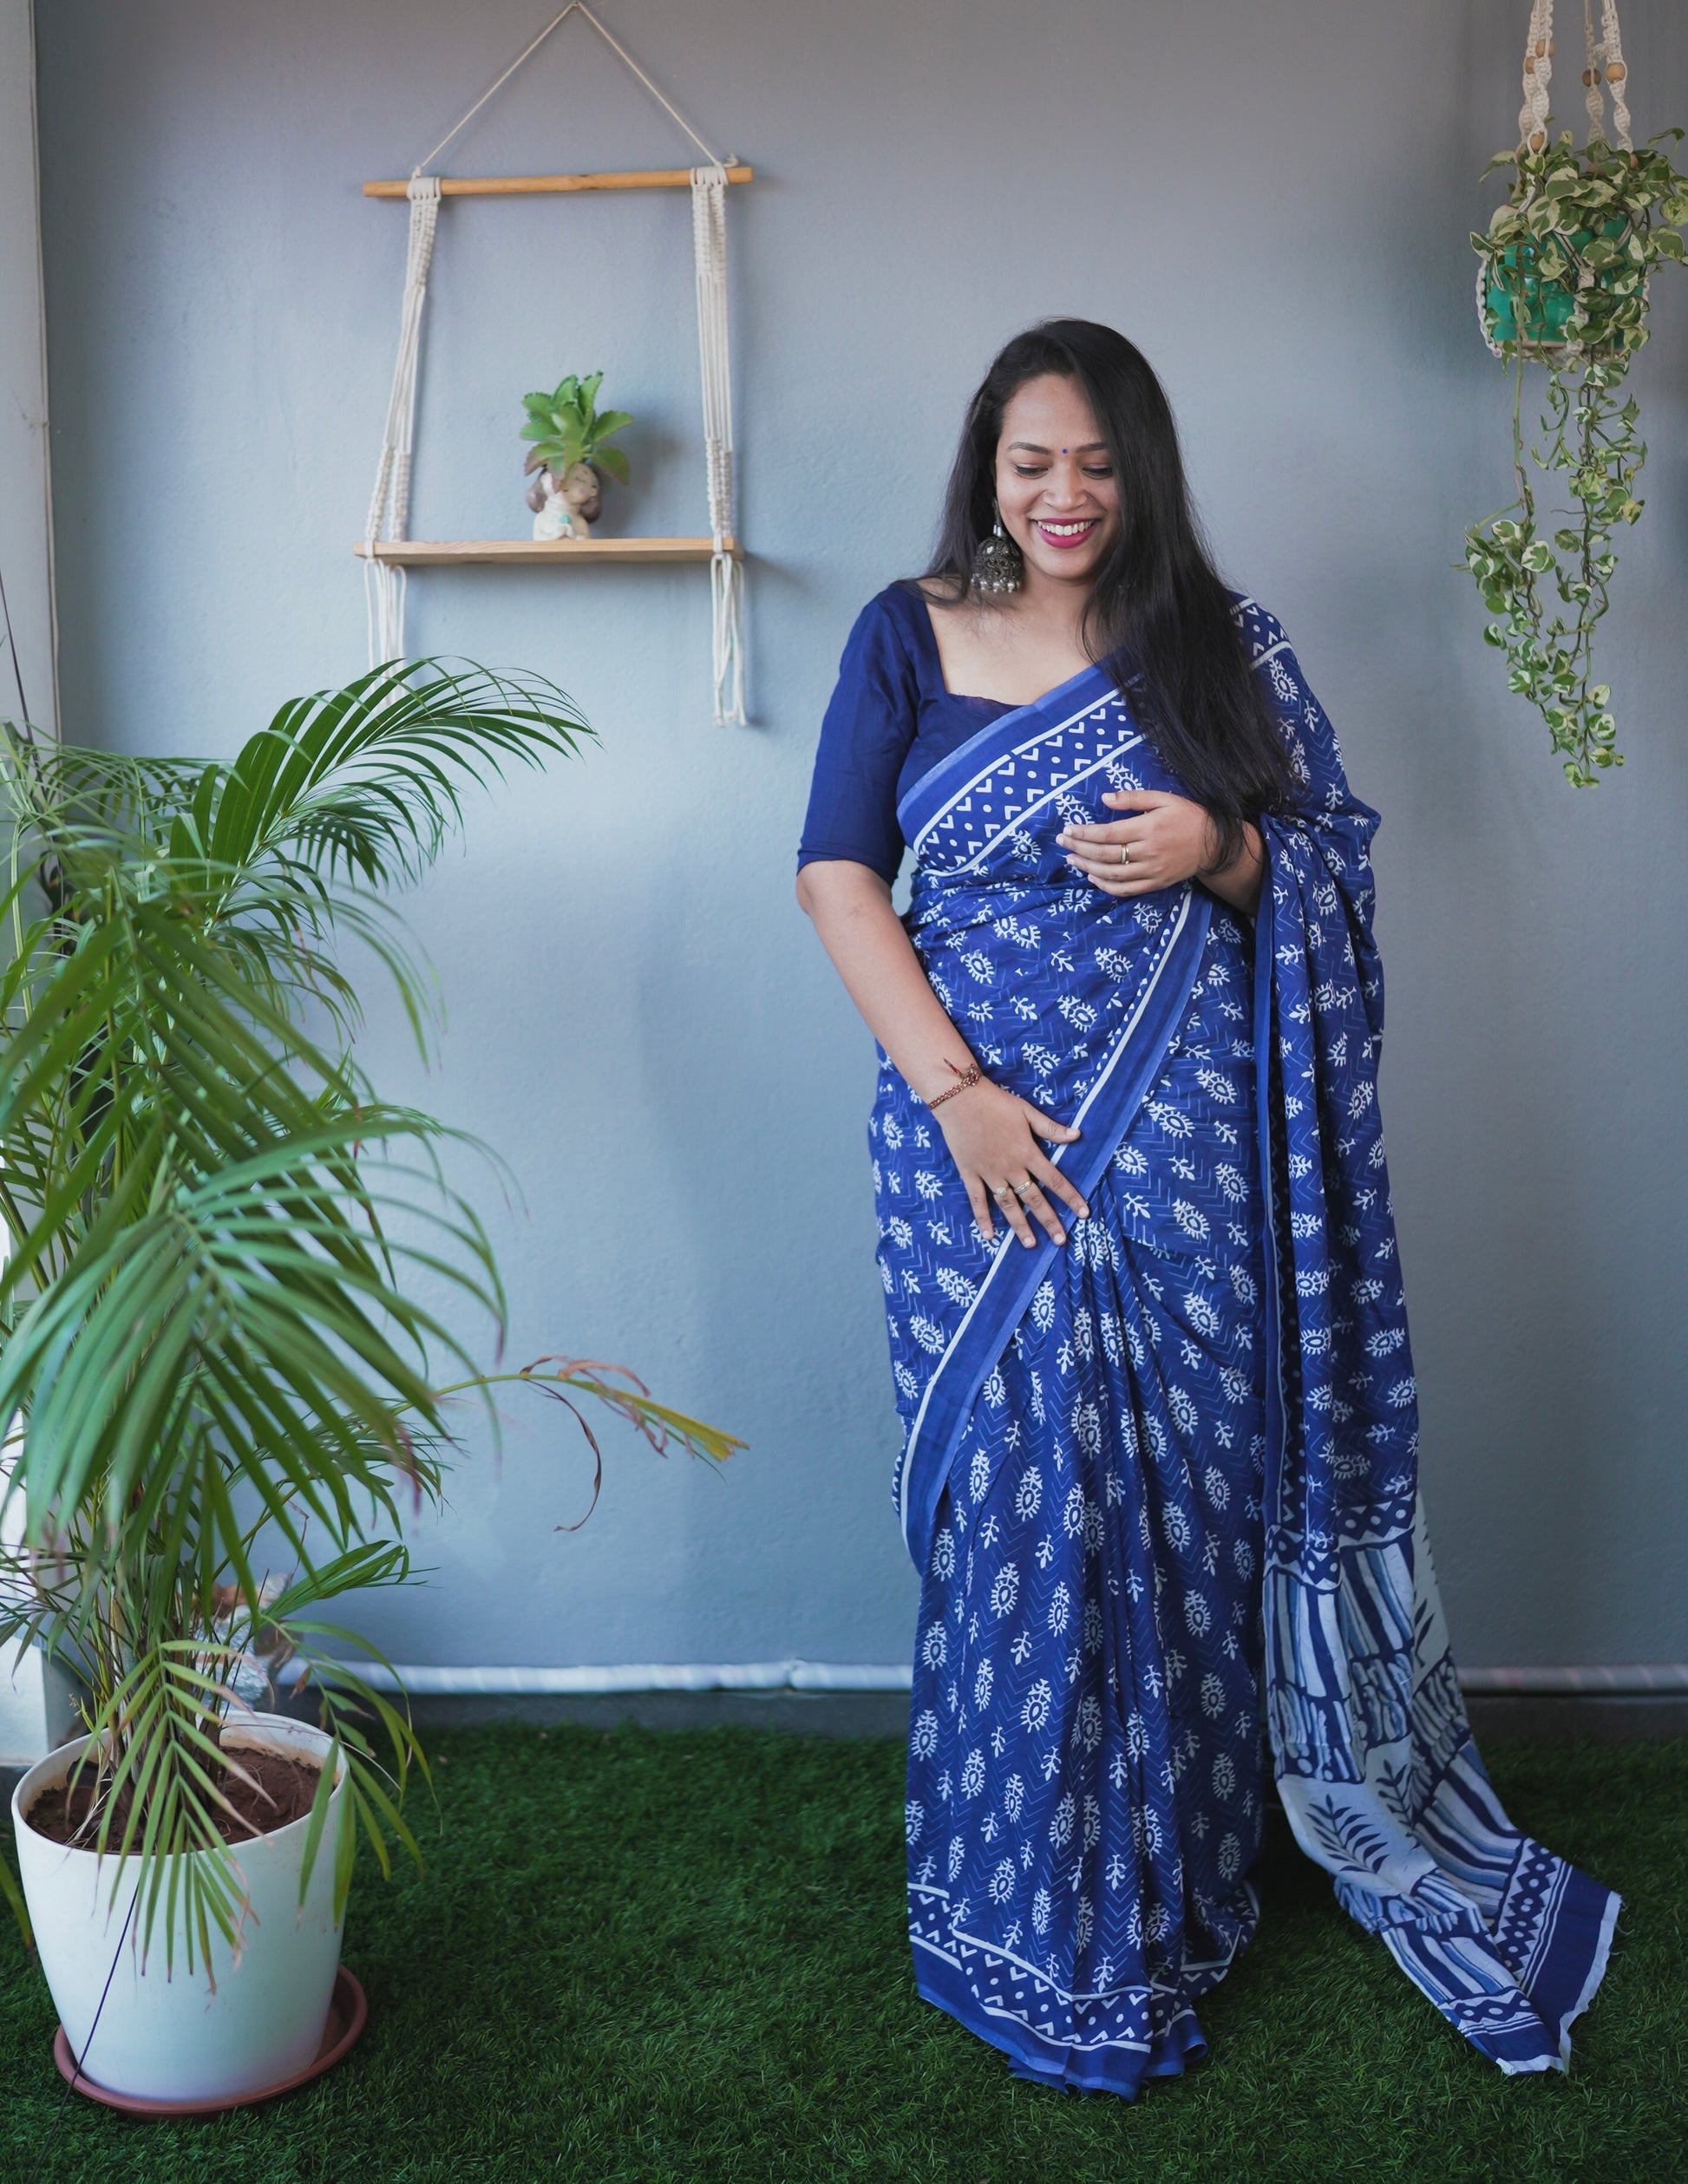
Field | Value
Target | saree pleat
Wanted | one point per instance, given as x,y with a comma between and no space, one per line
1085,1783
1161,1484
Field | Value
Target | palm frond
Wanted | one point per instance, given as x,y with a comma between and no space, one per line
368,780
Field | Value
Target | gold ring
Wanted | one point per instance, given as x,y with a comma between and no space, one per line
1125,852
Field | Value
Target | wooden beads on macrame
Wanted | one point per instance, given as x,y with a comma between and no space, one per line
1534,116
1540,47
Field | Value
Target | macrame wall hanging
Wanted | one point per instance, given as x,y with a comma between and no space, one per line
1564,270
387,549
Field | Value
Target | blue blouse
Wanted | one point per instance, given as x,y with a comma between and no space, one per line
890,721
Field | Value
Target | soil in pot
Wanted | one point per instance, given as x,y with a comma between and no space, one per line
279,1792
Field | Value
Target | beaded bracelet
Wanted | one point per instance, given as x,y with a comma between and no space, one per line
964,1078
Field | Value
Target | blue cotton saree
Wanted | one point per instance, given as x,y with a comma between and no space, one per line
1161,1483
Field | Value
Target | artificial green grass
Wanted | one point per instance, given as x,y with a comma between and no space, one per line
681,1955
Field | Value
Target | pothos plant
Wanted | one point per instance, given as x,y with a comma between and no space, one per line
215,1353
1564,266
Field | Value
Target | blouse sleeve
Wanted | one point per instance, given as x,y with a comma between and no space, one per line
865,737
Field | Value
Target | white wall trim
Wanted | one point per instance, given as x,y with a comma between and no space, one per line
686,1676
827,1676
1640,1682
21,1736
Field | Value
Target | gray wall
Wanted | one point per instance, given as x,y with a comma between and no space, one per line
1273,200
24,563
24,557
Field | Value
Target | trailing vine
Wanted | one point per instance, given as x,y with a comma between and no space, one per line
1564,266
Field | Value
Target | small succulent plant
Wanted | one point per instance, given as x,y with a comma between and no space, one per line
567,427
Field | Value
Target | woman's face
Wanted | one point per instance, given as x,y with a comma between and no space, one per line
1054,480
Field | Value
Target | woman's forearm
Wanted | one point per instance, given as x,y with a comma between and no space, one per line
850,907
1238,883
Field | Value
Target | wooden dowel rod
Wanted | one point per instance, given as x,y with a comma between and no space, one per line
652,178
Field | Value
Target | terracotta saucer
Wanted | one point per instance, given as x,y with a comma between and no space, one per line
348,2011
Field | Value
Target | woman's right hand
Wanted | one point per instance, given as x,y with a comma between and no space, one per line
992,1136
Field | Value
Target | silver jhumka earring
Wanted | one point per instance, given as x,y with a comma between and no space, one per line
999,565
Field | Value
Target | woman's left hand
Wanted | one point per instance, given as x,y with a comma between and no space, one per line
1166,839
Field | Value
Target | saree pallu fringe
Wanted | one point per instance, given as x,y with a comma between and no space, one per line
1162,1483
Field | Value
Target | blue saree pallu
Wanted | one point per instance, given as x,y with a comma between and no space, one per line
1161,1482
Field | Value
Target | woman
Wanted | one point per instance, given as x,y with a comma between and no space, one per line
1158,1470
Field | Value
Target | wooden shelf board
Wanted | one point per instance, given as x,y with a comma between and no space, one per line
422,554
645,178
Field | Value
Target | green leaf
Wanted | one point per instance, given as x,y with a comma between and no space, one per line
13,1896
321,1799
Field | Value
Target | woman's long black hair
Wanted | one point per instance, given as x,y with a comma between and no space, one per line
1158,618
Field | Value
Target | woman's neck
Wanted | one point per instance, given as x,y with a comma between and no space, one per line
1047,603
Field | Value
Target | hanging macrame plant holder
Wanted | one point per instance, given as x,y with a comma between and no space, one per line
1530,295
1562,282
386,547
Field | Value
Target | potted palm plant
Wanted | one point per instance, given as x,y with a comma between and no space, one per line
571,457
222,1388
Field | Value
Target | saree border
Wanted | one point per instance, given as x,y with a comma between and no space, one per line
1265,942
1061,788
997,736
1081,1997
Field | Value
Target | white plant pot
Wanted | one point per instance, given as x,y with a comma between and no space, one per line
171,2037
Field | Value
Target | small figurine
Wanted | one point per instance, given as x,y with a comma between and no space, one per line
566,509
570,457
